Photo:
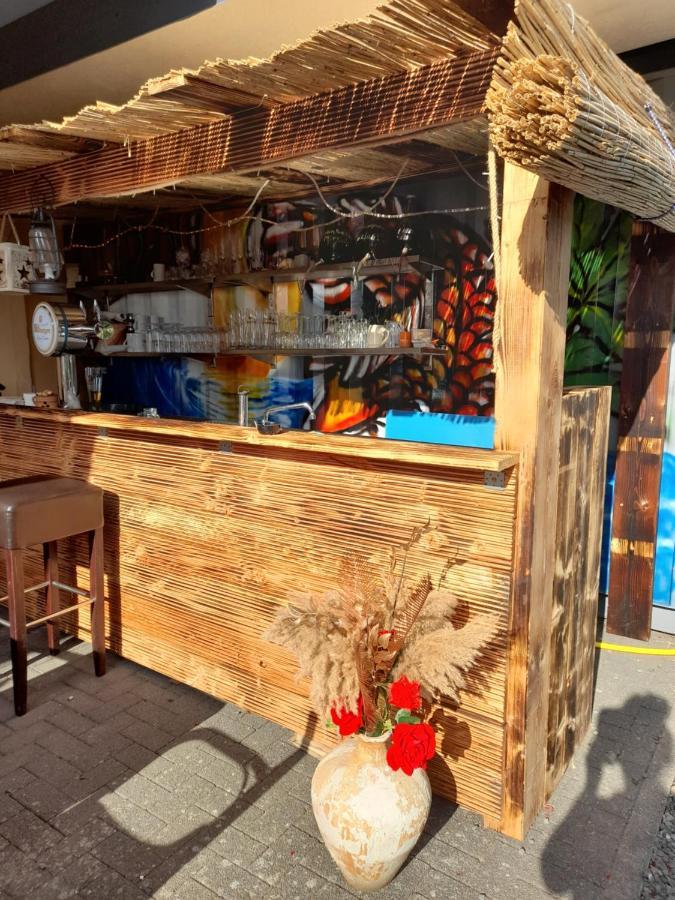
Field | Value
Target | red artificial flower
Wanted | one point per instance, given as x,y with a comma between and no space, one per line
405,694
348,722
411,747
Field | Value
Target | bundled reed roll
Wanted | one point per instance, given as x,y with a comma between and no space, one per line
563,106
553,121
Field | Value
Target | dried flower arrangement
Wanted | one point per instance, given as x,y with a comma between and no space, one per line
380,648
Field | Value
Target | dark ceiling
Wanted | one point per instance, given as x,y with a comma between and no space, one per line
64,31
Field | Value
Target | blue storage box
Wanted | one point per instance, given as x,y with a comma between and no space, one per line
441,428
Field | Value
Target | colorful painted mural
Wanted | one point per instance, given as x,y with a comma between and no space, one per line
599,271
350,393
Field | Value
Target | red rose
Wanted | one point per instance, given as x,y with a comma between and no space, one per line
411,747
348,722
405,694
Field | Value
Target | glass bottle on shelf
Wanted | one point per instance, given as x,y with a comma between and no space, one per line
375,241
336,245
413,234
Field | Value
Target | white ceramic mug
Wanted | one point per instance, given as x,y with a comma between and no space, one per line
158,272
377,336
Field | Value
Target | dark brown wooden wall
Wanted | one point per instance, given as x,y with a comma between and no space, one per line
581,490
642,428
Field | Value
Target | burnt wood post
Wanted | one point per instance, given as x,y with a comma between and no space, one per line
642,426
529,356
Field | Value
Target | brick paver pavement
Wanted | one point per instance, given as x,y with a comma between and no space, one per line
133,786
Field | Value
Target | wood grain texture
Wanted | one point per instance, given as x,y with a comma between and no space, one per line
14,351
642,426
529,347
300,441
202,546
581,490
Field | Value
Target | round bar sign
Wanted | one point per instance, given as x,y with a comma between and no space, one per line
45,327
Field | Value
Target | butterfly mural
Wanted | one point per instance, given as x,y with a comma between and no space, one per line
352,393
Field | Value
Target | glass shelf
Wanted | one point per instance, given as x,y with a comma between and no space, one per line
198,285
264,279
301,351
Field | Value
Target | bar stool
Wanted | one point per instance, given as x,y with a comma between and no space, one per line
44,510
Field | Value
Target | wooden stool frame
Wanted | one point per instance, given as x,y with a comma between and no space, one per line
19,627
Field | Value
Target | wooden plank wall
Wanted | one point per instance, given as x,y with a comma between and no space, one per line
202,546
642,429
581,491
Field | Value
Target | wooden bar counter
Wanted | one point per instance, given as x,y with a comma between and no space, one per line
210,527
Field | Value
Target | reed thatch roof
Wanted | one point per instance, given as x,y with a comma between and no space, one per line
407,83
400,37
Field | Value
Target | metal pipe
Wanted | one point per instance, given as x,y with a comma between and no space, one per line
242,418
284,407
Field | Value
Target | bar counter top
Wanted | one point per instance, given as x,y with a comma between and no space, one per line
377,449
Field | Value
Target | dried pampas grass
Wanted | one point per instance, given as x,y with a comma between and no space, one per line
441,657
351,641
318,630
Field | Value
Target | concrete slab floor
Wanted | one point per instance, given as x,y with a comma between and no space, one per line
133,786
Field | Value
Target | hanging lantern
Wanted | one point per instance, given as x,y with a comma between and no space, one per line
45,255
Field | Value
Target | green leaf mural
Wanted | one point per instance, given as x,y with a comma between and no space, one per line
597,294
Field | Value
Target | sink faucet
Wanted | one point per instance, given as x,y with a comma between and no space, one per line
284,408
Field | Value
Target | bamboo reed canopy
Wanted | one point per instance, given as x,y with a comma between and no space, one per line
415,82
562,105
281,117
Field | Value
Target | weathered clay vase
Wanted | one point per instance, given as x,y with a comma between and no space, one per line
369,816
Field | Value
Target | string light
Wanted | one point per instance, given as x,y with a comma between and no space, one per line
247,217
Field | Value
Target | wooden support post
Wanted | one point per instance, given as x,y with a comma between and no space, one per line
642,424
529,355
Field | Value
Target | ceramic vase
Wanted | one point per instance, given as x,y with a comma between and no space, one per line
369,816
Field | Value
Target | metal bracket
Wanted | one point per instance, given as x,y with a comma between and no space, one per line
224,447
495,480
102,432
18,422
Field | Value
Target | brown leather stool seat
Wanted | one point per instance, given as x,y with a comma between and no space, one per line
43,510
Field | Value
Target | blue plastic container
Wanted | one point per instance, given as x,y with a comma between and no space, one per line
441,428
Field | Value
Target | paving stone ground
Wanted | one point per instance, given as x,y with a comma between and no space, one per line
133,786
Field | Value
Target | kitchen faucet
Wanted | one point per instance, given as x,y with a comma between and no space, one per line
264,425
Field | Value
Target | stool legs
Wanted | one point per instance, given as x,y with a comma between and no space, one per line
97,606
17,629
51,559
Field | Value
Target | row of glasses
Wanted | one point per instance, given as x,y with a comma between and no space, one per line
251,328
267,330
173,338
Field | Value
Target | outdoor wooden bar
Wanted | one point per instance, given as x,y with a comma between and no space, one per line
210,527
